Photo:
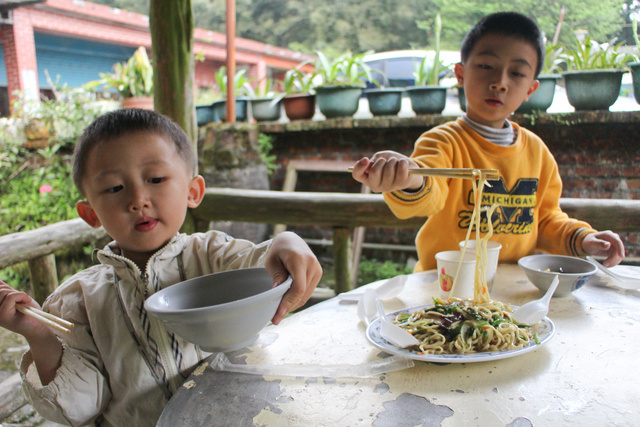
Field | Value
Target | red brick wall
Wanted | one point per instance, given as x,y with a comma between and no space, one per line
19,51
597,153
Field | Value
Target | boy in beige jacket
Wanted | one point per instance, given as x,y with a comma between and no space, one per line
119,366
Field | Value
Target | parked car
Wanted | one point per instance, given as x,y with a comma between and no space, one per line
396,68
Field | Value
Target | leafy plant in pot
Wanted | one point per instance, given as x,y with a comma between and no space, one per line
132,79
542,98
341,83
299,100
594,74
427,96
265,104
242,89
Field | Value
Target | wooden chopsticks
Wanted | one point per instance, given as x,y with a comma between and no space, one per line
464,173
50,320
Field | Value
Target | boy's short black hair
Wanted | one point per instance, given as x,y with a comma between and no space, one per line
512,24
116,123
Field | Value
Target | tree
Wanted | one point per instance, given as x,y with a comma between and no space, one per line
335,26
171,25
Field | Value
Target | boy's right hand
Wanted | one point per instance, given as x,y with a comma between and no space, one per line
387,171
13,320
45,347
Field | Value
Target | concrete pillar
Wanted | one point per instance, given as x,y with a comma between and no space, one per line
20,56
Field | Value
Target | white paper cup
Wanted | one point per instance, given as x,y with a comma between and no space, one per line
493,252
447,262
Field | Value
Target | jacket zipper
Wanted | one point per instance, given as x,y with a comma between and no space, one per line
164,347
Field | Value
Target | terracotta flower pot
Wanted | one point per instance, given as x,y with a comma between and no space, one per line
299,106
145,102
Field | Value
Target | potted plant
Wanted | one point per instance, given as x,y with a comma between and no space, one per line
341,83
594,74
205,98
382,99
635,65
542,98
427,96
132,79
242,88
265,105
299,99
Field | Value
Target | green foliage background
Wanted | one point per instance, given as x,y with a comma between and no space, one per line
335,26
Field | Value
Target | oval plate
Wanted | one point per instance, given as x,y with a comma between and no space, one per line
545,330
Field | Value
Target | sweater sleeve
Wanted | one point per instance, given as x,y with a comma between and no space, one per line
433,149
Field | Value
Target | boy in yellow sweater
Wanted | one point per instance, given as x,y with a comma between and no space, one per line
500,59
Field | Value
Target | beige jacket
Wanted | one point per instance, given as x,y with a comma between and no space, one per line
118,365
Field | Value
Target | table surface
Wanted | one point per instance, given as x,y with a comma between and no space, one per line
587,373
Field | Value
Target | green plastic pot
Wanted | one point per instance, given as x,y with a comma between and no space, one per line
338,101
462,99
635,76
241,109
542,98
593,89
265,109
384,102
205,114
427,99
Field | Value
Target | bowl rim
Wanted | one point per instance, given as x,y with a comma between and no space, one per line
523,260
155,308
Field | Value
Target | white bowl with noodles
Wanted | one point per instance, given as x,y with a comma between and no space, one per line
573,272
219,312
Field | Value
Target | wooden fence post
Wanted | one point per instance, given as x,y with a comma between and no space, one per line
342,259
44,276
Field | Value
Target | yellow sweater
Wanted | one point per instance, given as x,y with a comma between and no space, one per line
528,217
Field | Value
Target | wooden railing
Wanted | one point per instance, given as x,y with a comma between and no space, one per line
340,211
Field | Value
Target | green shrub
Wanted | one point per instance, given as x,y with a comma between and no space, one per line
371,270
36,188
265,143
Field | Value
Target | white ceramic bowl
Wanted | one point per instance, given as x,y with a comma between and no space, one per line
220,312
573,272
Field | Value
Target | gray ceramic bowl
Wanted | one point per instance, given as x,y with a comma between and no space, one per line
220,312
573,272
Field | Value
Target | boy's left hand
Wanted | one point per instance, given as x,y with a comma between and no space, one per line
604,243
290,255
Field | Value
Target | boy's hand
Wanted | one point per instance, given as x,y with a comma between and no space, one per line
290,255
45,347
12,319
604,243
387,171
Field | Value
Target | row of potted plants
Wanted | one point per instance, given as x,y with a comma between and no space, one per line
592,74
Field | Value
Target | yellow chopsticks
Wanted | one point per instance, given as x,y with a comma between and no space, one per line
464,173
50,320
455,172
